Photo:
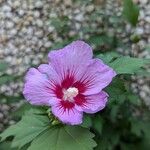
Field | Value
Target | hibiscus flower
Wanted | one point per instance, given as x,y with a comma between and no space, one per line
71,83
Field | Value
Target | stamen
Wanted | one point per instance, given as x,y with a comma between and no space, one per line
70,93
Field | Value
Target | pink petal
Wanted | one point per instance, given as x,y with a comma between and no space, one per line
38,90
72,59
67,115
97,76
95,103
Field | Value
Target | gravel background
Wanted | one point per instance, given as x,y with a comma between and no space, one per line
27,33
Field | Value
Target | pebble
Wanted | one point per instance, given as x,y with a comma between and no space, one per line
147,19
139,31
39,23
26,27
9,25
6,8
39,4
21,12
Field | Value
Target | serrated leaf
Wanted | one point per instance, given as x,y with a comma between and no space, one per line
30,126
130,12
64,138
128,65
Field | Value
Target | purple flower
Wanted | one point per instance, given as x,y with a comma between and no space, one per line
72,83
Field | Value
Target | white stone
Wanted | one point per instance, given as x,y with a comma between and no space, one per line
16,19
51,28
21,12
25,6
6,8
90,8
39,23
29,31
28,49
13,32
143,1
68,2
147,19
16,4
139,30
39,4
8,14
142,94
48,44
39,33
146,88
9,24
36,14
142,14
79,17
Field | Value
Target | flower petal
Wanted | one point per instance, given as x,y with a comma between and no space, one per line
97,76
50,72
95,103
67,115
72,59
38,90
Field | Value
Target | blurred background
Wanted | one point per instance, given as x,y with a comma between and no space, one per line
29,29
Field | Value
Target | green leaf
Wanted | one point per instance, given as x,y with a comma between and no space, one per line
87,121
108,57
143,73
21,110
30,126
6,78
133,99
64,138
109,139
98,124
128,65
6,146
3,66
137,127
117,91
114,112
100,40
130,12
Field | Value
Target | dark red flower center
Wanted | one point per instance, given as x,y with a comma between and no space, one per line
70,92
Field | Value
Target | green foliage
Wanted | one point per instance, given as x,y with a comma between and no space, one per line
31,125
128,65
124,124
124,64
6,78
3,66
87,121
121,128
36,130
64,137
108,57
130,12
6,146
